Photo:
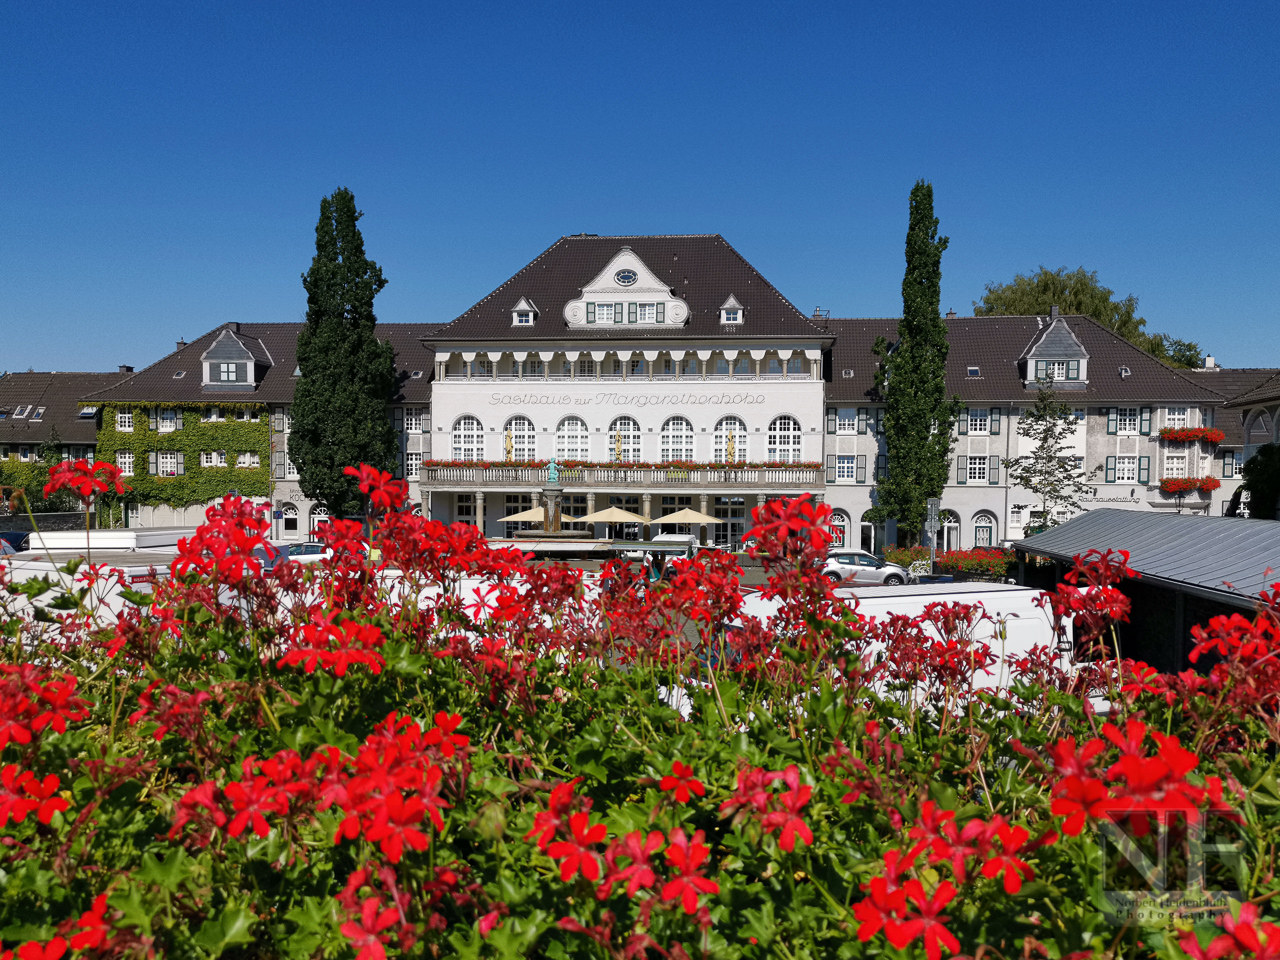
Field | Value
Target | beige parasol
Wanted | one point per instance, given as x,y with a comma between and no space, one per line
613,515
687,516
533,515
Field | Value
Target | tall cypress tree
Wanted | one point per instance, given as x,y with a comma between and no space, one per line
347,375
912,377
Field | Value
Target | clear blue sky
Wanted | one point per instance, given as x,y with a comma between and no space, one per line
164,162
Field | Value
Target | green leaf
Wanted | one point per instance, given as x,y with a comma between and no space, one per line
169,873
233,927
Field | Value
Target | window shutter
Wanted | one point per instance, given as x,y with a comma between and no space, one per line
831,468
617,313
1113,426
831,419
862,468
151,417
882,466
962,469
862,421
151,463
399,419
1073,369
277,465
277,420
964,421
1228,464
631,313
591,313
177,419
1144,422
1111,470
993,470
662,313
1041,369
995,421
182,470
1144,469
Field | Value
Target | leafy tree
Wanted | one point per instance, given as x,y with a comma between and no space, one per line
1079,292
1261,474
1046,471
912,375
347,374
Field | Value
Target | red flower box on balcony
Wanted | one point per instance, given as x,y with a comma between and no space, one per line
1191,434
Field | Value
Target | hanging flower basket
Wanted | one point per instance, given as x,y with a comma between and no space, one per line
1192,434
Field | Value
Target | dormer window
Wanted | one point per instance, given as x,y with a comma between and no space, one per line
39,414
524,313
227,372
974,372
1057,369
524,318
731,311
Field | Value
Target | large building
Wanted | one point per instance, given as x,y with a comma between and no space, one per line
662,373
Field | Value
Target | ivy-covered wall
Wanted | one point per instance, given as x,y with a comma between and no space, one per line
198,484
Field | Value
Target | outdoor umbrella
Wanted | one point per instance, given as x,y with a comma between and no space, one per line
613,515
688,516
534,515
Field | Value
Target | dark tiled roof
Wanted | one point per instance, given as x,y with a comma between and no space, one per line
58,394
702,270
1267,391
995,344
157,384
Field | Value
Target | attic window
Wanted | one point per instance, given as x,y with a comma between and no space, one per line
179,374
87,412
733,316
1124,372
39,414
974,372
524,318
22,411
297,371
416,375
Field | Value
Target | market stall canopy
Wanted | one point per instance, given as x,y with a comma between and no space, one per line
613,515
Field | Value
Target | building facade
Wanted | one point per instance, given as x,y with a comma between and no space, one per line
663,373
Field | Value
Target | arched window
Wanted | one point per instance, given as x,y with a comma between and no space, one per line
677,440
518,439
624,440
289,518
839,529
731,440
984,530
571,439
468,439
784,440
950,538
319,517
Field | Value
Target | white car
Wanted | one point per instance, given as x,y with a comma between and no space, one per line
860,567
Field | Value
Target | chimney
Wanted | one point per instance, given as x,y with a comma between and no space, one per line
1209,363
1053,312
125,368
181,344
951,314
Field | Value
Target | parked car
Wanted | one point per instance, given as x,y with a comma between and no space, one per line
17,539
860,567
6,549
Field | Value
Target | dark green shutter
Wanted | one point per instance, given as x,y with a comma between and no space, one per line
1073,369
152,416
1041,369
993,470
398,421
831,419
862,421
1228,464
617,313
1112,421
962,469
1111,470
591,313
831,468
1144,469
182,468
882,466
151,463
632,316
177,421
963,423
1144,421
995,421
861,475
662,313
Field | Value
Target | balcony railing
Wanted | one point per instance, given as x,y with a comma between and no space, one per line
497,475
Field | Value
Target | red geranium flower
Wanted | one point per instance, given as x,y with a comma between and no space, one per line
682,781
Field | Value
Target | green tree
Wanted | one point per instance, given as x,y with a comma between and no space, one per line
1079,292
912,376
347,374
1261,474
1047,471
